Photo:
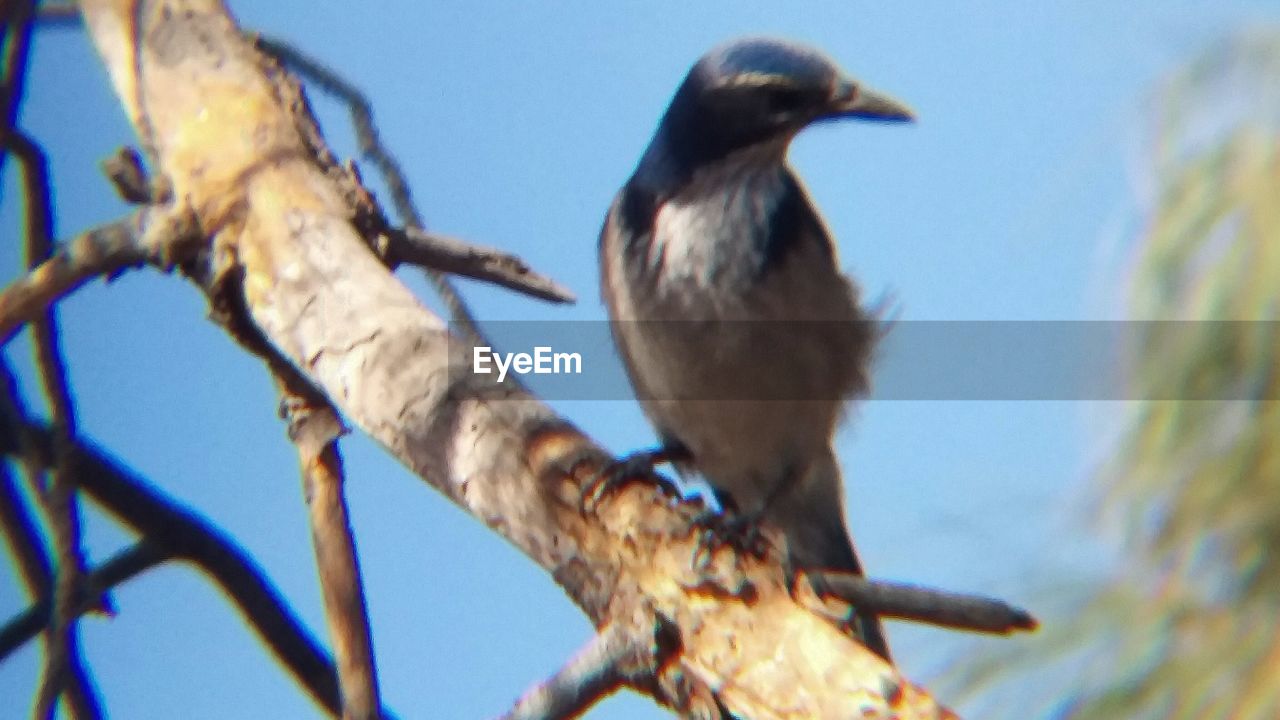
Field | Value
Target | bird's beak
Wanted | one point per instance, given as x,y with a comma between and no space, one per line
853,101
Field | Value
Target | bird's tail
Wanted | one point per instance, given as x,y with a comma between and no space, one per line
812,514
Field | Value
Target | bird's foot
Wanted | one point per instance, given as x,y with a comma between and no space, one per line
639,464
740,533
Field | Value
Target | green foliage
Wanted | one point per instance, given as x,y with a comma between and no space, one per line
1188,626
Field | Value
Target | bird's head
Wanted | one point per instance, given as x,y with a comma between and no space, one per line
759,93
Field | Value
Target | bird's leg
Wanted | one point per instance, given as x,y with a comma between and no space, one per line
740,531
639,464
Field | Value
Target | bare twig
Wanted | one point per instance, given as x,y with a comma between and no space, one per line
63,665
154,235
39,229
26,544
191,538
447,254
935,607
594,672
314,428
17,27
121,568
124,170
371,145
64,671
102,251
23,536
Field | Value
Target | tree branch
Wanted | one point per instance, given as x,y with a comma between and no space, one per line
23,536
372,147
101,251
447,254
121,568
314,429
593,673
18,24
28,548
944,609
25,544
158,235
188,537
64,668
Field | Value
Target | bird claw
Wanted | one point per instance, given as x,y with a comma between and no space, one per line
618,473
738,532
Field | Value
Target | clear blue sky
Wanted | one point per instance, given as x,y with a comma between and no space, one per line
516,123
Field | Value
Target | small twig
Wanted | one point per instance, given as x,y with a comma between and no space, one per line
372,147
239,577
314,429
50,274
23,536
38,213
21,531
17,25
150,235
26,544
63,664
121,568
103,250
594,672
189,537
447,254
124,170
935,607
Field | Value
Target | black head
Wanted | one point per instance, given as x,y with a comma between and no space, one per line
760,92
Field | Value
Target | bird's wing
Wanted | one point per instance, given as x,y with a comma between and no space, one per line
799,278
795,227
628,229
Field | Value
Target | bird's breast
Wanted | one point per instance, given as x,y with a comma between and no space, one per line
715,232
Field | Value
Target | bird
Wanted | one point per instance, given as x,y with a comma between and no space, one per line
741,336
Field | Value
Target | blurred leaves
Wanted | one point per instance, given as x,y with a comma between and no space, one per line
1187,625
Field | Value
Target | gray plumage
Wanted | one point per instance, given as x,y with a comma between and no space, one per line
742,337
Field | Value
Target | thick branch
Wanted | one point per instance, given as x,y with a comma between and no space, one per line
371,146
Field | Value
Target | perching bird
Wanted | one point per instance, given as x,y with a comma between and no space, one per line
742,337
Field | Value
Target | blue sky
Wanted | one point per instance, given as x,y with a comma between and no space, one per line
516,122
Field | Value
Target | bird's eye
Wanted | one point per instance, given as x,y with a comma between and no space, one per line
786,100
